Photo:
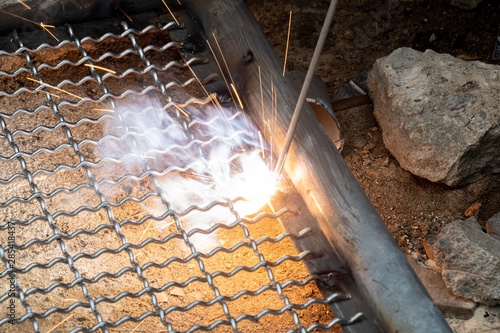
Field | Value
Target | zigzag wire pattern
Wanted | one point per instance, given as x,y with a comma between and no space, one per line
87,166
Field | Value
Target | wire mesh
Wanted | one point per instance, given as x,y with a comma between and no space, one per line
90,239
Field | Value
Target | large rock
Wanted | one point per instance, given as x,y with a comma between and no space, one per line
450,305
470,261
439,115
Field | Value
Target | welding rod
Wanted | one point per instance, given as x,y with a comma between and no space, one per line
305,87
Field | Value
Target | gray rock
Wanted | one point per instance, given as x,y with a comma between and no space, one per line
466,4
493,226
450,305
470,261
439,114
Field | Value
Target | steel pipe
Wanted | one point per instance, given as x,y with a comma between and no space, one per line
349,221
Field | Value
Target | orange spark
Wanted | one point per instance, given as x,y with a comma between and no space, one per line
287,42
102,68
56,88
220,68
105,110
18,16
175,19
213,99
45,28
262,146
51,94
181,110
223,59
42,25
24,4
65,319
261,93
122,11
237,95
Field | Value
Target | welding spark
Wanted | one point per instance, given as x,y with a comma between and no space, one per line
287,42
51,94
53,87
101,68
45,28
24,4
41,24
65,319
122,11
213,97
237,95
104,110
175,19
181,110
220,68
262,150
18,16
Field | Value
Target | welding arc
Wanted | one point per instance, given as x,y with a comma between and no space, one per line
305,87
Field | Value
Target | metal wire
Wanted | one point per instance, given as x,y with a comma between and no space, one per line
41,191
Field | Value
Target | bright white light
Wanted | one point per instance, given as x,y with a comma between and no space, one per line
223,161
255,184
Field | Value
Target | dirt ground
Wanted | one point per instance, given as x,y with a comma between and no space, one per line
363,31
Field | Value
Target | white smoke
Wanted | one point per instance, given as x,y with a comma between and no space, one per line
215,156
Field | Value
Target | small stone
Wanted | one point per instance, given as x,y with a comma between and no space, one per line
493,226
162,297
473,210
176,291
432,38
470,261
386,162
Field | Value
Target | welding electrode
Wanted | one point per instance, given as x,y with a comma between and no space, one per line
305,87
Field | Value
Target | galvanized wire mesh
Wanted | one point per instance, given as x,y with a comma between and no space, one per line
91,242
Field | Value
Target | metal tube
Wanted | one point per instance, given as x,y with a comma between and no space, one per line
384,277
